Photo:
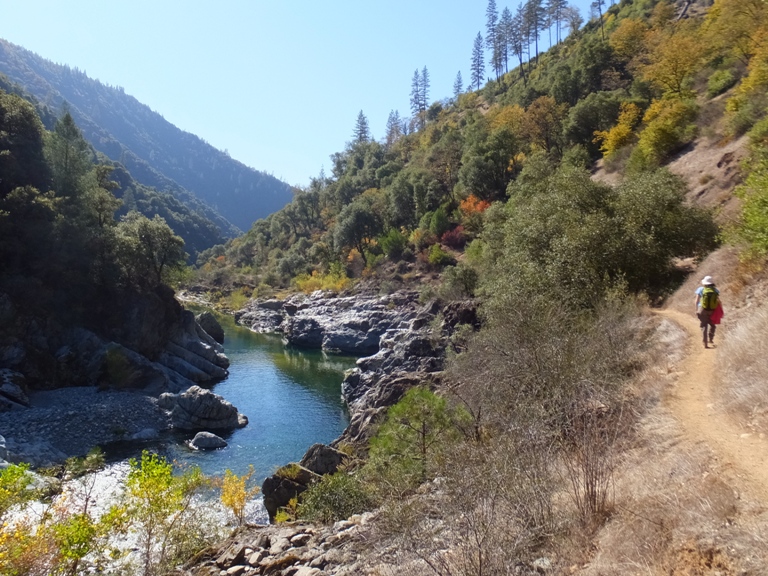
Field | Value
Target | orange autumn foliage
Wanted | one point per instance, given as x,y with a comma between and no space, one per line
473,205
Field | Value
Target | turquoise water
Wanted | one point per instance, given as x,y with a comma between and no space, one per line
292,399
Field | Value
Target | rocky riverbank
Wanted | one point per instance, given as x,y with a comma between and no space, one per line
403,343
66,390
295,550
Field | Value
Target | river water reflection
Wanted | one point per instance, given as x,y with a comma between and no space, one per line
292,399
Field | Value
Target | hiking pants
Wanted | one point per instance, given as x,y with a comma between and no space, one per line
705,320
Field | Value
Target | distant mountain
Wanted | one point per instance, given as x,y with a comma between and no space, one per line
199,225
156,152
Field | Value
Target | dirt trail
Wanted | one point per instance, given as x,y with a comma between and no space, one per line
693,403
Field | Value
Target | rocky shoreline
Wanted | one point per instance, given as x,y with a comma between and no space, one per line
410,338
107,393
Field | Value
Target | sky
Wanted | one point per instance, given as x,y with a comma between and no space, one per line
277,84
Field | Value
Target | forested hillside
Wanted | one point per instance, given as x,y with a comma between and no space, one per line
506,462
64,255
155,152
626,88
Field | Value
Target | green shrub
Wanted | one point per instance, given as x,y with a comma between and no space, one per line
751,231
459,282
289,471
439,223
335,497
13,487
238,298
118,368
719,82
393,243
439,257
577,156
745,111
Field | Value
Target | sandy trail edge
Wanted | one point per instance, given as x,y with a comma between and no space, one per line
693,403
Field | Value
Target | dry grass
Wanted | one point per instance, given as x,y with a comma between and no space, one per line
679,509
677,512
743,367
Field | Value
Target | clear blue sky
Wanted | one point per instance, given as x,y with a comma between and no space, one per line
277,84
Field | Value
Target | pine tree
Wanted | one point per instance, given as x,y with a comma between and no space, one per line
458,85
394,128
491,34
424,90
505,33
525,31
556,11
415,93
478,62
362,132
517,38
419,96
69,156
535,20
598,6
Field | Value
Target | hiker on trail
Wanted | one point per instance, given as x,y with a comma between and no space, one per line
708,308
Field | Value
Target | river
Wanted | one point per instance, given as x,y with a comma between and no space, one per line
292,399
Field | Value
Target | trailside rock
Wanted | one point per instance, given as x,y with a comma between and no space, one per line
199,409
287,483
207,441
293,549
322,459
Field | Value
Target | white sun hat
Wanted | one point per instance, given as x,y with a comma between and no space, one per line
707,281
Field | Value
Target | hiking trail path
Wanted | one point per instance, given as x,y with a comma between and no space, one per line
693,403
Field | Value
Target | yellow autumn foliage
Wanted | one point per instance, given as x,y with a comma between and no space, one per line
235,493
621,134
510,117
628,40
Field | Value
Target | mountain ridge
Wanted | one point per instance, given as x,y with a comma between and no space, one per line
156,152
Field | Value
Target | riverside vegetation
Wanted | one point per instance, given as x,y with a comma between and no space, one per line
512,459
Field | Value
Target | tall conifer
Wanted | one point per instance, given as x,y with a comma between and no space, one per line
362,132
491,34
424,89
458,85
478,62
394,128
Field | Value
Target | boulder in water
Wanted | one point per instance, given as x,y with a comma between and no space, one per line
200,409
207,441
